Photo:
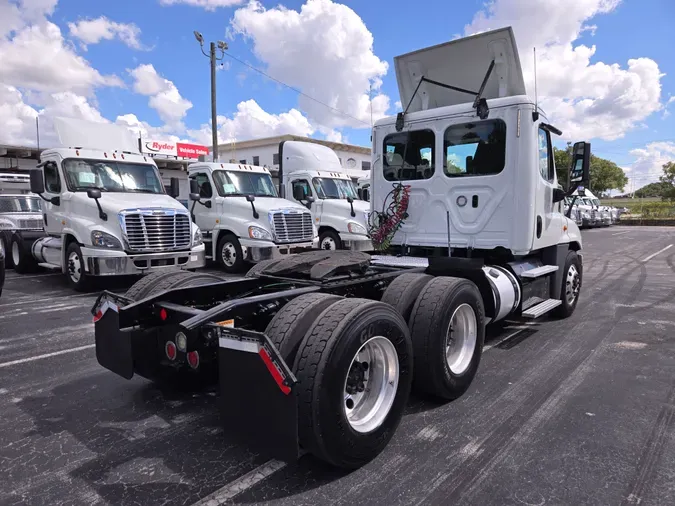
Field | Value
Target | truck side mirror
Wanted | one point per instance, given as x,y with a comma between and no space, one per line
351,204
366,194
558,195
359,191
37,182
580,171
194,187
94,193
175,187
251,199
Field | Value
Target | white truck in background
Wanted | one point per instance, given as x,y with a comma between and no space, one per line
105,210
363,187
242,217
20,214
311,174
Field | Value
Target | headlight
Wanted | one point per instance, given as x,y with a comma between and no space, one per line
105,240
259,233
355,228
586,215
6,225
197,240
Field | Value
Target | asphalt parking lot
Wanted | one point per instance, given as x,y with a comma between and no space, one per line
578,411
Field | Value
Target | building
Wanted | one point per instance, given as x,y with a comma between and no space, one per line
265,152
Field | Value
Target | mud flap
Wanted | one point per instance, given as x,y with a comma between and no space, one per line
113,346
258,402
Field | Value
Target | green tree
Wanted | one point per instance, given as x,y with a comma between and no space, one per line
652,190
668,180
605,174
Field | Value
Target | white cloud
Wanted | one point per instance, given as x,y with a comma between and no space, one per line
209,5
93,31
326,51
37,57
649,161
584,99
164,96
251,121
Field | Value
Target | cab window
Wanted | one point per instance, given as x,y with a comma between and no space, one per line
302,183
546,167
205,189
409,155
474,149
52,179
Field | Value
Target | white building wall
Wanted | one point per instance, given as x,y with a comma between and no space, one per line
266,156
23,163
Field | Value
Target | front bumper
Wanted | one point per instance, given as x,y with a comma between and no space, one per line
356,242
100,262
256,251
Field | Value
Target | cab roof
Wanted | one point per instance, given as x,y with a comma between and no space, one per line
228,166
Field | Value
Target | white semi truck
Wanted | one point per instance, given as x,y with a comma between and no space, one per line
243,219
20,214
328,344
105,209
311,174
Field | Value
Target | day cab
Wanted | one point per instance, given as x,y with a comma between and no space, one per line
242,217
106,211
311,174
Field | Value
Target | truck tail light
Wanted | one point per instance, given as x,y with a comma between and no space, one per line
163,314
170,350
193,359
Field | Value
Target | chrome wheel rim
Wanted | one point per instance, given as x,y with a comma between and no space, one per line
371,384
15,253
328,243
229,254
461,339
74,267
572,284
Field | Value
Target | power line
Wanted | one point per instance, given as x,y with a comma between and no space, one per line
296,90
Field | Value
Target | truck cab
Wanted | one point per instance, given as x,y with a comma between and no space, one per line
20,214
471,174
311,174
105,209
242,217
363,187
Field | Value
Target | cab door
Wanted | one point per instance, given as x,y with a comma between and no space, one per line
548,221
205,217
53,213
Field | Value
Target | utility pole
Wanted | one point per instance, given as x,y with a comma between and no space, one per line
213,59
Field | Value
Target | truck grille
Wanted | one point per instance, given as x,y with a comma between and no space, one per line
31,224
292,226
152,230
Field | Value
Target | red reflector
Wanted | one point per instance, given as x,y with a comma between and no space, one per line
163,314
193,359
274,371
98,316
170,350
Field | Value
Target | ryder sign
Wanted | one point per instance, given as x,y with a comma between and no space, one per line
179,149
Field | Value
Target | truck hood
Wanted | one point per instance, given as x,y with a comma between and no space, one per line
462,63
113,203
342,207
264,204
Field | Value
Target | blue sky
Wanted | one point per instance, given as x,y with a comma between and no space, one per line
629,30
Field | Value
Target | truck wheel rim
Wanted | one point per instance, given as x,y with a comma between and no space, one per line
371,384
572,284
74,267
16,257
328,243
461,339
229,254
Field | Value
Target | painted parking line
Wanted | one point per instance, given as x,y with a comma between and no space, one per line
46,355
657,253
624,232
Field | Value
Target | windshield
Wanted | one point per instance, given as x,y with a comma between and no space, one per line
329,188
112,176
233,183
20,205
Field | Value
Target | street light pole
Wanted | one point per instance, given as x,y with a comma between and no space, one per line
213,59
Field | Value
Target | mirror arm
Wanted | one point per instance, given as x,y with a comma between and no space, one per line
352,206
101,214
255,213
569,209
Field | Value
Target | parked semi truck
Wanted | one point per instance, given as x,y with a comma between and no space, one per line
105,209
363,187
311,174
20,215
317,352
243,219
